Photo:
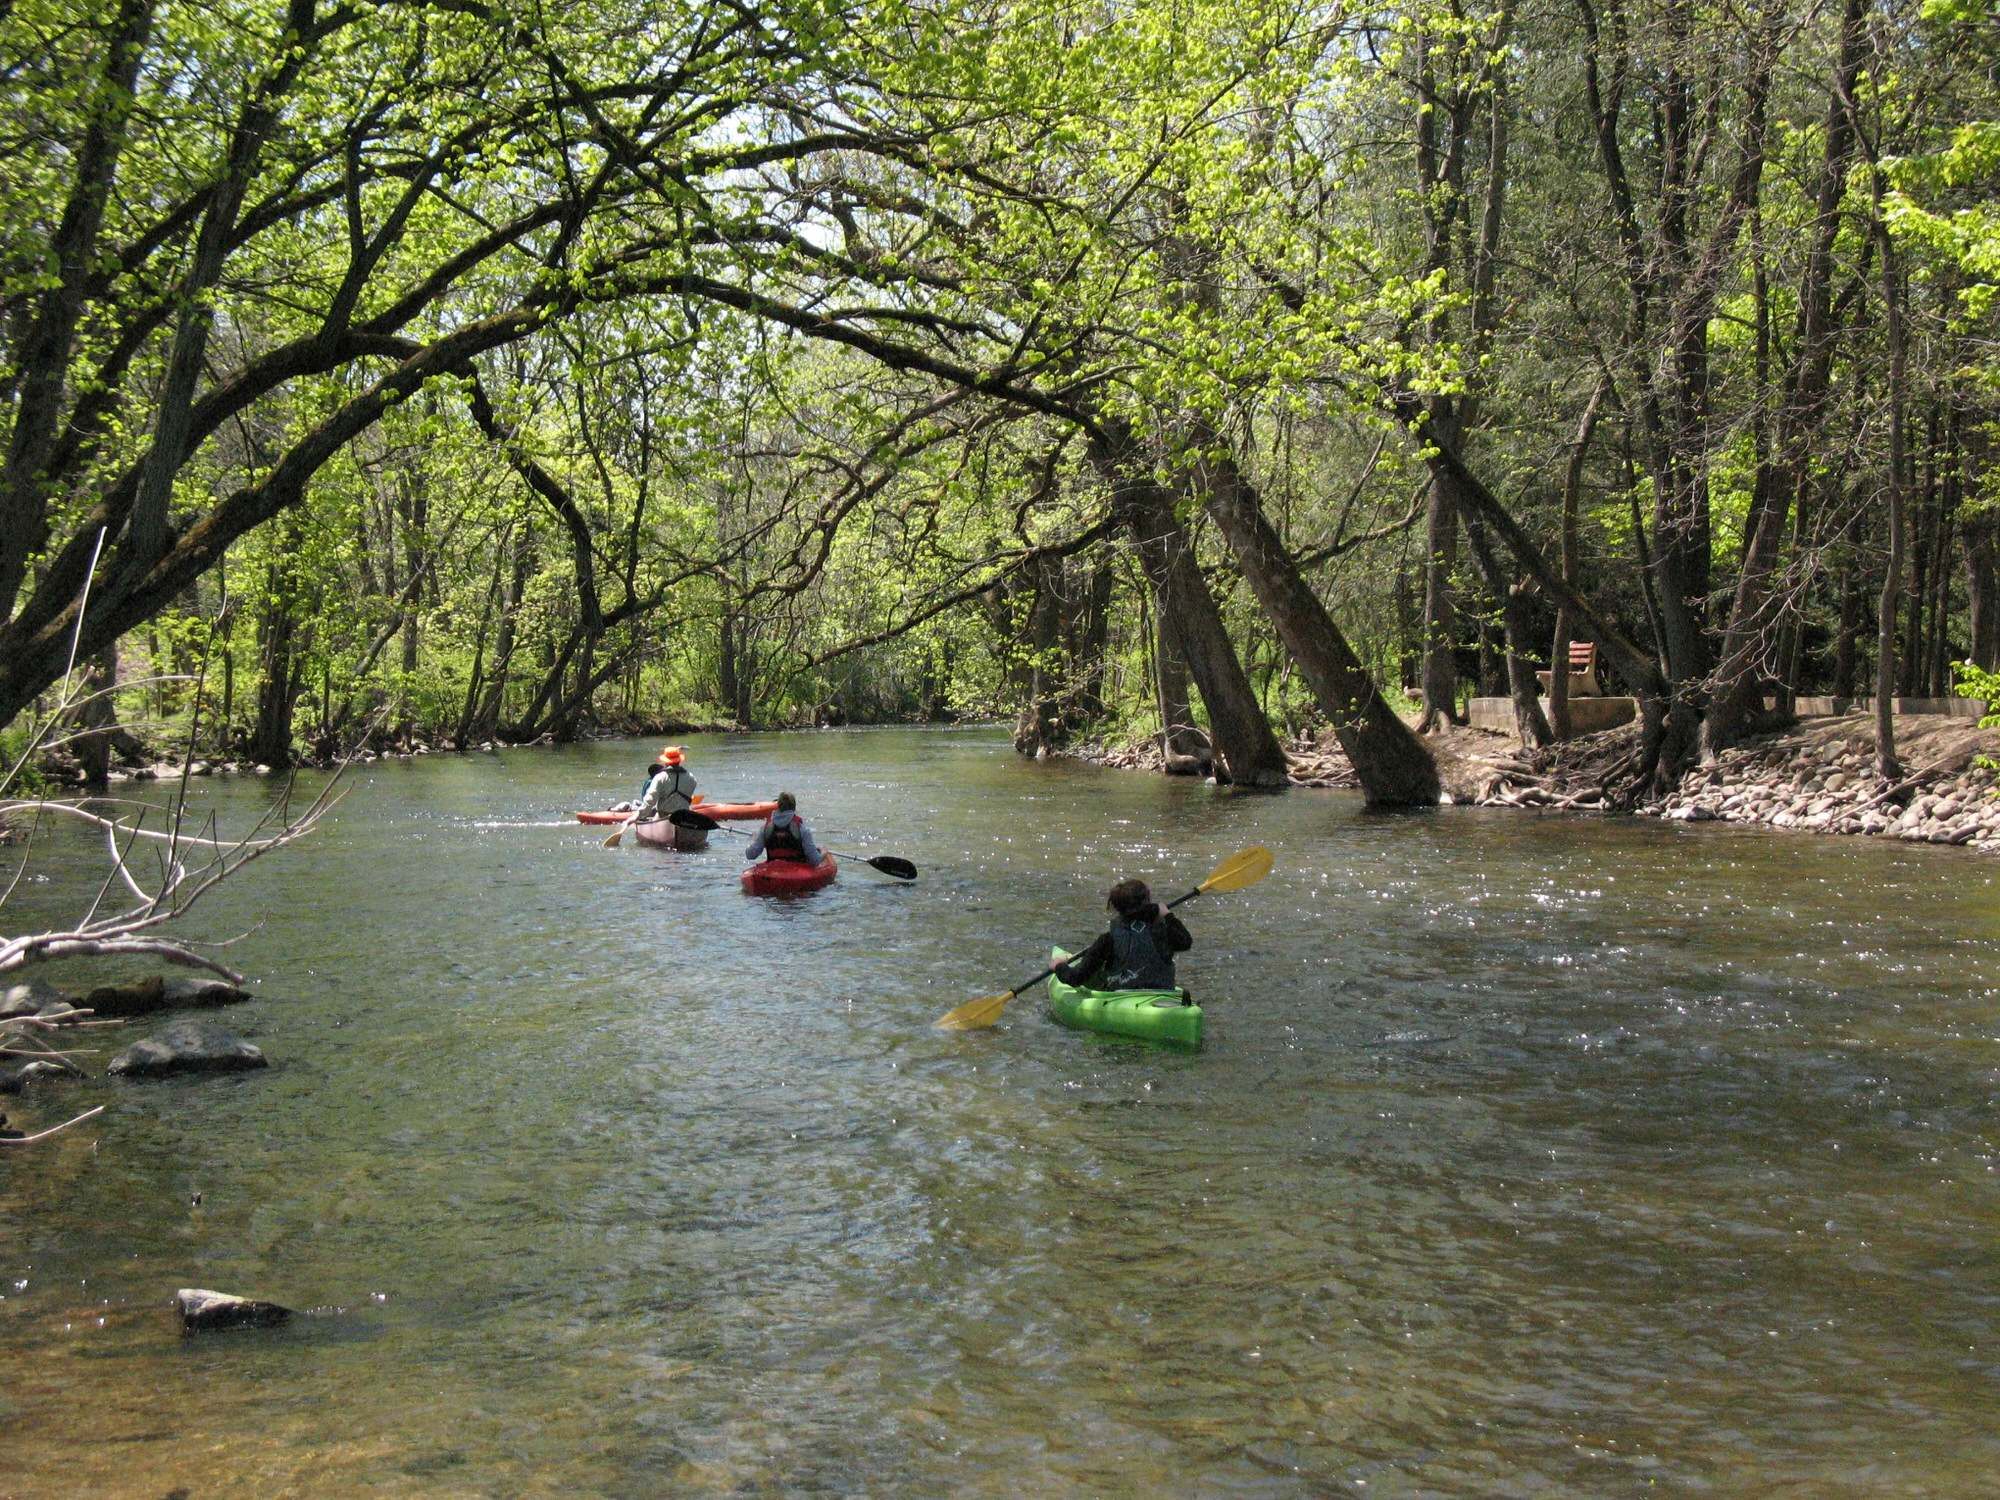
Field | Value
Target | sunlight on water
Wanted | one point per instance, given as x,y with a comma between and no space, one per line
1527,1156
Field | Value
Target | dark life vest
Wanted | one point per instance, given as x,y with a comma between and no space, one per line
784,843
1140,958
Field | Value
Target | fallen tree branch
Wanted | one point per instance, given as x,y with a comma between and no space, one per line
42,1135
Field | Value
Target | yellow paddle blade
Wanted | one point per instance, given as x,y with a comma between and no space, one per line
1240,870
974,1014
616,839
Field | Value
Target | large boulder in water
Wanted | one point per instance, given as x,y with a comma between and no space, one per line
188,1047
202,1310
147,996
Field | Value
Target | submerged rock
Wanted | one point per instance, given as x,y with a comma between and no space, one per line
204,1310
188,1047
13,1079
146,996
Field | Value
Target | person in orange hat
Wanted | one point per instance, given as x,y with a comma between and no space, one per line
671,789
653,768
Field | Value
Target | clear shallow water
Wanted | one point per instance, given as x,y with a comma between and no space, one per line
1526,1157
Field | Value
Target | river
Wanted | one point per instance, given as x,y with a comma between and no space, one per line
1526,1156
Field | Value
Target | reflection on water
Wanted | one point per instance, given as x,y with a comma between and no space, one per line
1526,1156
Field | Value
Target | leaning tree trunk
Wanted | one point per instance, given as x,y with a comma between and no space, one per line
1242,734
1395,768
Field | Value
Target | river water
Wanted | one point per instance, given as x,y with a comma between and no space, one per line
1526,1156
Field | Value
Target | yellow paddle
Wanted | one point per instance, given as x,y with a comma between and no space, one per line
1242,869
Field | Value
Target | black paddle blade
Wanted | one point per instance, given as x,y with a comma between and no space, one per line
889,864
687,817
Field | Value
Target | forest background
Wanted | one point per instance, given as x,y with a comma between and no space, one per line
482,370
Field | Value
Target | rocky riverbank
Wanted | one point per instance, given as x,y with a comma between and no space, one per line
1817,777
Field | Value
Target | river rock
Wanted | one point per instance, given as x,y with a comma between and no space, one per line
202,1310
188,1047
159,993
29,997
12,1080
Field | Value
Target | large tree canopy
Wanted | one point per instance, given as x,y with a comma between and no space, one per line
1137,367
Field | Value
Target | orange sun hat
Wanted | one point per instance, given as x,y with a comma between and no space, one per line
672,755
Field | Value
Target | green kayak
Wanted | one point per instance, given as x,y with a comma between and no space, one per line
1155,1015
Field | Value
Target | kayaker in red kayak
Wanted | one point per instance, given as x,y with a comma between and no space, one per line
1138,952
785,835
671,790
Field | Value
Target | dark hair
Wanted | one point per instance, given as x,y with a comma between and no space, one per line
787,802
1129,898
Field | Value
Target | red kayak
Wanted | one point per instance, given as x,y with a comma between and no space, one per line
787,877
717,810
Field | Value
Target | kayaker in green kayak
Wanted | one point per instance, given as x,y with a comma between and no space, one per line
785,835
1138,952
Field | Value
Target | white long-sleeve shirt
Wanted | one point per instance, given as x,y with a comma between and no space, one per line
672,790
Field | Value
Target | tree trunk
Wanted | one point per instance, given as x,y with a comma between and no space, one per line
1579,449
473,677
1885,635
1850,631
1922,541
1738,694
1982,586
1183,745
1409,639
1395,768
1522,689
1440,675
1038,727
487,723
98,716
1242,735
277,698
1089,645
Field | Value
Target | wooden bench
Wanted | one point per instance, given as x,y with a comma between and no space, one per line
1582,671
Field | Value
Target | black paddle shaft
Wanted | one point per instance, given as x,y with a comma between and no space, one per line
888,864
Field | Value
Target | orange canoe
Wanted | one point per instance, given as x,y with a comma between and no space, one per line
717,810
